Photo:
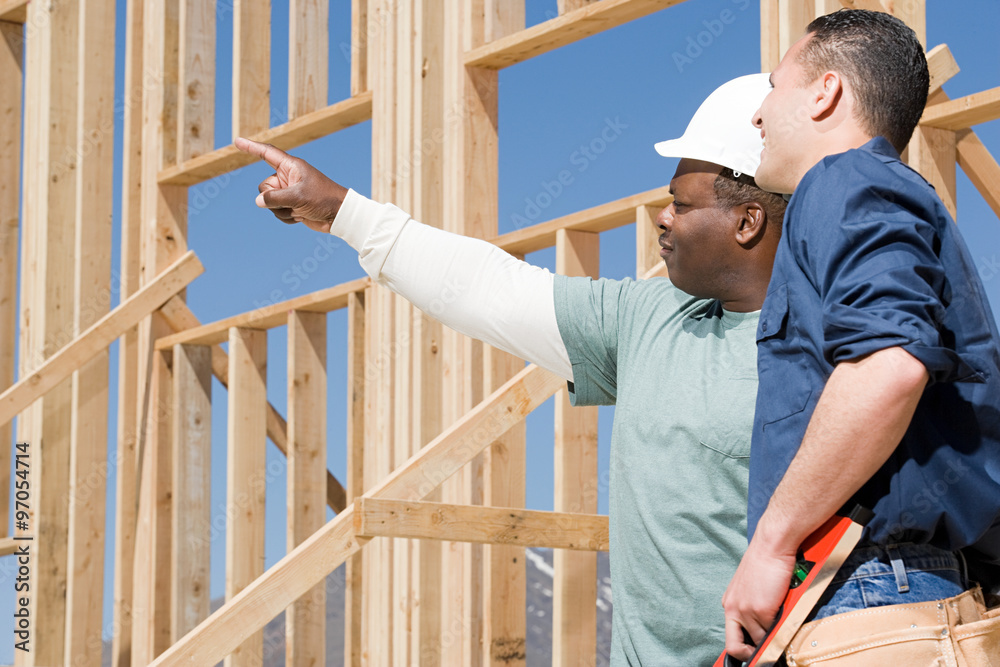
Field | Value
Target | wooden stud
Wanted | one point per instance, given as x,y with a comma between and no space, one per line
151,617
565,6
376,517
196,106
793,17
981,167
356,352
246,477
11,71
89,436
913,13
964,112
287,136
97,338
308,40
770,43
128,359
192,484
647,234
251,67
504,569
574,590
305,620
50,132
336,541
180,318
359,47
933,152
566,29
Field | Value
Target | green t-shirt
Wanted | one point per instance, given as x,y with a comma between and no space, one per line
683,374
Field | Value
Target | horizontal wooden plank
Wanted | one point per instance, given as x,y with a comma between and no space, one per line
964,112
268,317
99,336
560,31
9,545
311,561
377,517
980,166
601,218
289,135
179,316
942,66
15,11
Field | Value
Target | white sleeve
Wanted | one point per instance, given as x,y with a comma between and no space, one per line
467,284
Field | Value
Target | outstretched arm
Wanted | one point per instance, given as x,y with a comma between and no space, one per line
469,285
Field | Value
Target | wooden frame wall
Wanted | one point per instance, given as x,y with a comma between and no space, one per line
426,73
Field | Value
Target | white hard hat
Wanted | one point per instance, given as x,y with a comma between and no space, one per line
721,131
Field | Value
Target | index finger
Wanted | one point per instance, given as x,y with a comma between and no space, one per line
270,154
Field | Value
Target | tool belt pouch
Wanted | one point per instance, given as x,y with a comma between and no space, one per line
954,632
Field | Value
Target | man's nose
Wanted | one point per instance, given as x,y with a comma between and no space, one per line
756,120
665,218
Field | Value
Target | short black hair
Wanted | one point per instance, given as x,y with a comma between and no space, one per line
732,190
882,60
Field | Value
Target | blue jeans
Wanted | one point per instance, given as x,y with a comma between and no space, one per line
876,576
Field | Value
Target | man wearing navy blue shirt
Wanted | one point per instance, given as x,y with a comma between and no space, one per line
877,350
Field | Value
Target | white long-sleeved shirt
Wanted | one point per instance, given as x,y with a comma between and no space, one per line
467,284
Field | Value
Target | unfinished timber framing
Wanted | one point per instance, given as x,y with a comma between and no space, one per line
430,521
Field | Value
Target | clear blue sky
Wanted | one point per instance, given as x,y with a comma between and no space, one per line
550,107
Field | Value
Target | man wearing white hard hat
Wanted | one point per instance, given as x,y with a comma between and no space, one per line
676,356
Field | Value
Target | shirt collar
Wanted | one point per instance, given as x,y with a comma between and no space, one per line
881,146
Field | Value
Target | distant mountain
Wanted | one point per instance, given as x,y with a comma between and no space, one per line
538,614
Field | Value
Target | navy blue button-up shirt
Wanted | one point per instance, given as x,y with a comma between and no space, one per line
870,259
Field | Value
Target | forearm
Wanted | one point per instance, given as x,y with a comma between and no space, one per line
469,285
859,420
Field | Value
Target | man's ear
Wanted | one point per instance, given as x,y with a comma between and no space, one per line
750,228
828,90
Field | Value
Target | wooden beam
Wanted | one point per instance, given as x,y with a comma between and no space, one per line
980,166
9,545
192,484
151,617
196,106
287,136
128,345
793,17
376,517
566,6
932,152
964,112
48,226
600,218
251,67
356,351
305,620
647,234
359,47
574,590
308,41
180,318
14,11
504,566
770,43
560,31
89,437
310,562
268,317
942,66
11,71
99,336
246,478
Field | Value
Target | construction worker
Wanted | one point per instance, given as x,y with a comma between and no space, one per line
879,367
676,356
